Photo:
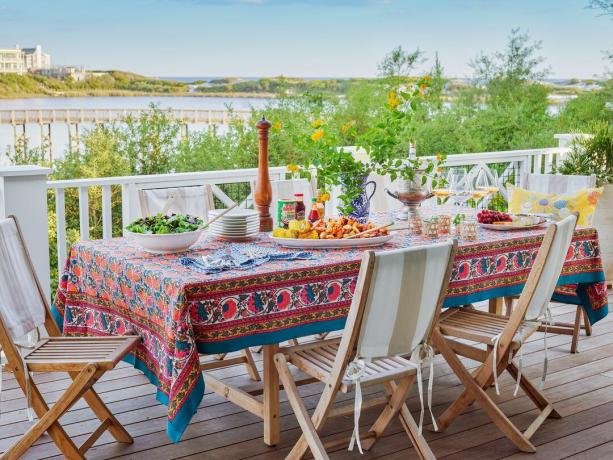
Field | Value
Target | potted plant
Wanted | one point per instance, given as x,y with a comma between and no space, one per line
337,167
388,143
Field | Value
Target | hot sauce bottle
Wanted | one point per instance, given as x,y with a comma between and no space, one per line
314,214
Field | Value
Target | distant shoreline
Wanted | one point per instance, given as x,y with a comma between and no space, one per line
116,93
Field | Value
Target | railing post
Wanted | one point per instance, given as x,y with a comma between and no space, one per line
23,192
263,189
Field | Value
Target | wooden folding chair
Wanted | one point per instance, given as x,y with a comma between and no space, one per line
397,299
504,337
197,201
559,184
24,308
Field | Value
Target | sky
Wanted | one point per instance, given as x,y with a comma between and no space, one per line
305,38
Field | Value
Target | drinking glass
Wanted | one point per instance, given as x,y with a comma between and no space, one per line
482,186
459,186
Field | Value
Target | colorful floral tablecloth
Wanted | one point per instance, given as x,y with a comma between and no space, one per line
112,287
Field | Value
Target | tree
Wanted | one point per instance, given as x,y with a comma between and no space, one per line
607,10
605,5
398,63
519,61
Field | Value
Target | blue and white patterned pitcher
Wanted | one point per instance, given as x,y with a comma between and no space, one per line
361,205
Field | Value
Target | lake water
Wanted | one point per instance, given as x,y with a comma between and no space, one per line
59,131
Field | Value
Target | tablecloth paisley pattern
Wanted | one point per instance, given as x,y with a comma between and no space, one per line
111,287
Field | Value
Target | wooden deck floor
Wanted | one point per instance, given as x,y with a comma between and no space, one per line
580,385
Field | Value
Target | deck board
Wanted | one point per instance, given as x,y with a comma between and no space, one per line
581,386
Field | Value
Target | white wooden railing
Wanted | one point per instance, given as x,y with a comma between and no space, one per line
517,163
19,191
130,185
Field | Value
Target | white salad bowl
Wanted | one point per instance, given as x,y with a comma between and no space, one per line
165,243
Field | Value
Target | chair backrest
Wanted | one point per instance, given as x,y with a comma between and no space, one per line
552,268
400,300
285,189
557,183
196,201
22,304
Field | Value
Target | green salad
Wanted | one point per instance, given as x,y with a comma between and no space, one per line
165,225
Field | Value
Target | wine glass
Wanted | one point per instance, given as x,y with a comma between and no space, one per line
460,187
482,187
441,191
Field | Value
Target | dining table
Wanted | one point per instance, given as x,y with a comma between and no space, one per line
113,287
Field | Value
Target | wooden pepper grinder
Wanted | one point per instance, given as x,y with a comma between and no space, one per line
263,190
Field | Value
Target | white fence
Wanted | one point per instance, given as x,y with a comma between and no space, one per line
513,165
130,185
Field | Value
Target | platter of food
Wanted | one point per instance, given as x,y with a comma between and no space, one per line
341,232
502,221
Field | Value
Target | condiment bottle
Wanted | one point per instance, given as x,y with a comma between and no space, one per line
300,209
314,214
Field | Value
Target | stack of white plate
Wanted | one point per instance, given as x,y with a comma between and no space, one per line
238,224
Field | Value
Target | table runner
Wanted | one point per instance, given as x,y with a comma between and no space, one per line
111,287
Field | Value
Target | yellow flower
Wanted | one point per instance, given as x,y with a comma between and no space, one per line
392,100
277,125
324,197
293,168
423,86
439,157
427,77
347,126
317,123
439,169
317,135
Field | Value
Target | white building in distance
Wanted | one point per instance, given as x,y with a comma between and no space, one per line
21,60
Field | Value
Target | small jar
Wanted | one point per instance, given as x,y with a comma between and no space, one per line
430,227
444,224
415,225
468,230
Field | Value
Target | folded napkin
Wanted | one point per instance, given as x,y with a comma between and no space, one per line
236,257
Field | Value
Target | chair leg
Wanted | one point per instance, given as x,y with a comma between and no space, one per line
586,322
474,391
103,413
508,303
304,420
411,428
319,418
252,370
79,386
538,398
390,412
576,329
56,431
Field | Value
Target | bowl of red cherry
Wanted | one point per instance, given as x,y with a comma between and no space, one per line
497,220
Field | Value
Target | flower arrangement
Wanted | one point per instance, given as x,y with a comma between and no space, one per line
388,142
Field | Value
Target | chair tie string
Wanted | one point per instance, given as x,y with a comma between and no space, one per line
495,340
424,352
548,321
355,371
22,348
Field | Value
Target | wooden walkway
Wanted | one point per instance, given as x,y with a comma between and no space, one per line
580,385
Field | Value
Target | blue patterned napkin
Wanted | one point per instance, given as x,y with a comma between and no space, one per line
240,257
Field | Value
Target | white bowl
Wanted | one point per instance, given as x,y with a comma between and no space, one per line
167,243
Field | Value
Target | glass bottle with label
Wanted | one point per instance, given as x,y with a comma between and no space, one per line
314,214
300,208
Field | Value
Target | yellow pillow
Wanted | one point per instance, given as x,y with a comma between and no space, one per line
584,201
